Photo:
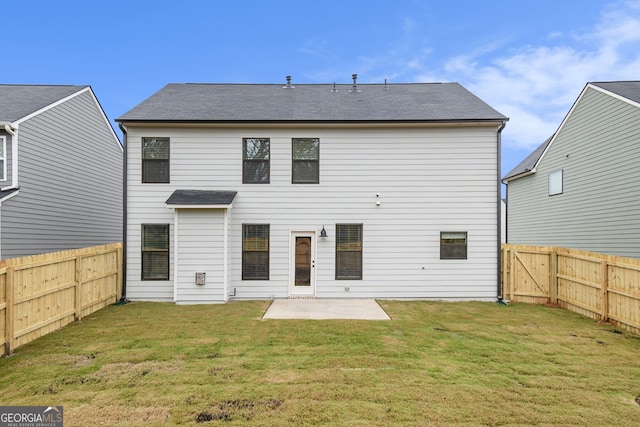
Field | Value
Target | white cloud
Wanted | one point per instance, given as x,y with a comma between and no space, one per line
536,85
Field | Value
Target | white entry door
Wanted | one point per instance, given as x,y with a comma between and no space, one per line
303,264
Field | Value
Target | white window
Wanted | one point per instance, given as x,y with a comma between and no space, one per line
555,183
3,158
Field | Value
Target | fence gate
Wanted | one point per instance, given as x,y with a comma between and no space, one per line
526,275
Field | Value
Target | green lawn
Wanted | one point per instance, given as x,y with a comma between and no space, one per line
435,363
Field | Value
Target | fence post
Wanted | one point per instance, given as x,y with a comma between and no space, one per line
506,289
9,322
78,288
604,266
553,276
512,272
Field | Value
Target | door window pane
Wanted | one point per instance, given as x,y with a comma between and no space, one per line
303,261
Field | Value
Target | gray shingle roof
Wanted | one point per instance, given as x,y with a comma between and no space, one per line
18,101
201,197
529,162
312,102
629,89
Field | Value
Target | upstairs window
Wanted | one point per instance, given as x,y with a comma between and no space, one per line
155,160
255,160
3,158
348,251
155,251
453,245
255,251
555,183
306,161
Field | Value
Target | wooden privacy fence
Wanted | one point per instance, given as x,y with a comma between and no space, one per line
603,287
42,293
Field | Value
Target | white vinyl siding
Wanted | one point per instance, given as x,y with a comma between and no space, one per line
427,179
597,148
200,250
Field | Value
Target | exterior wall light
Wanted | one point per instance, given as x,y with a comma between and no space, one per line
323,232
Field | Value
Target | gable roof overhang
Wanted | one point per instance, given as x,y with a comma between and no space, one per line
201,199
20,102
528,165
628,92
307,124
7,194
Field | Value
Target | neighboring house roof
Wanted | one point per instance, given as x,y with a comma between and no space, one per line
18,101
629,91
312,103
201,197
529,162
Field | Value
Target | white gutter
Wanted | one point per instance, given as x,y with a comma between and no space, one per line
13,131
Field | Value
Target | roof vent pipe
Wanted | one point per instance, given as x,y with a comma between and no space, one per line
288,85
354,88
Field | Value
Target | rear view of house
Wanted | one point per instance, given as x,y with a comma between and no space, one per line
579,189
60,171
252,191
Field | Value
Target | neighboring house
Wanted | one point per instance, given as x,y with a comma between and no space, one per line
581,187
60,171
252,191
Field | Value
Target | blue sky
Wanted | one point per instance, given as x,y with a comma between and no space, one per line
527,59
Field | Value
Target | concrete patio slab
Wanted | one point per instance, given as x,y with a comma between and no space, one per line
322,309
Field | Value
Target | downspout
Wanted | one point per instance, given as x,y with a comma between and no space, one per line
124,300
499,223
13,131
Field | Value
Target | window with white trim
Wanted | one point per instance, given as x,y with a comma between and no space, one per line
3,158
555,183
